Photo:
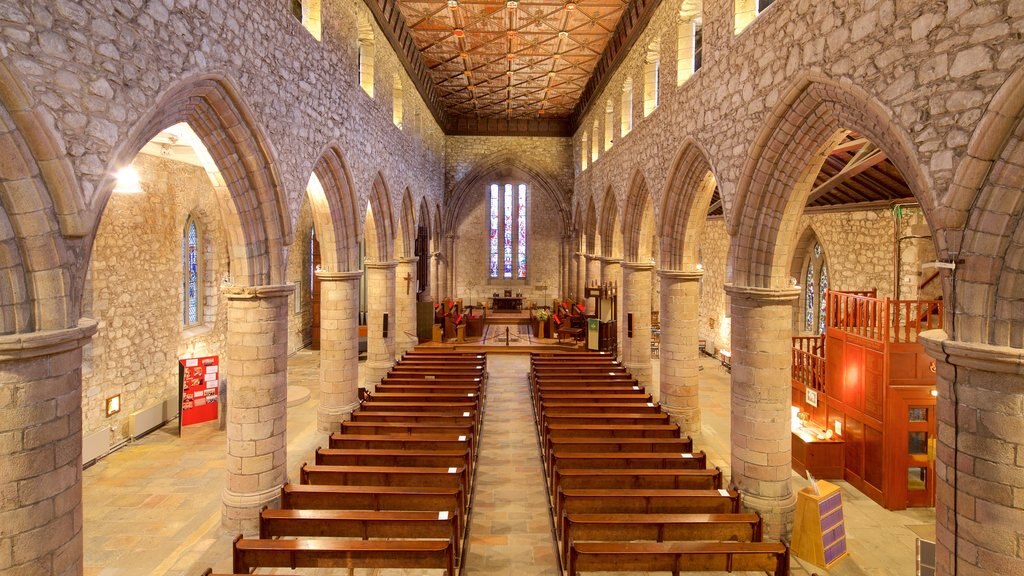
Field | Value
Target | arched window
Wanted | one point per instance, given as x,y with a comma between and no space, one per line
815,289
584,152
396,103
595,151
652,72
308,13
627,107
746,11
507,230
690,40
609,122
192,267
364,55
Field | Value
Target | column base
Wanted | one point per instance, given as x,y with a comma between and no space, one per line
777,513
687,418
374,372
329,418
241,512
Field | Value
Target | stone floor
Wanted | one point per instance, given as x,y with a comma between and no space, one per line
153,507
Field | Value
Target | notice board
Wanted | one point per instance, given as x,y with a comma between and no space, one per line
198,392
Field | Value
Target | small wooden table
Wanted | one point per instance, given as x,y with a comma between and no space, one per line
507,302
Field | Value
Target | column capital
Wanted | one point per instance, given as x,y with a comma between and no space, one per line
380,265
408,259
638,266
763,295
683,275
609,260
974,355
257,292
325,276
46,342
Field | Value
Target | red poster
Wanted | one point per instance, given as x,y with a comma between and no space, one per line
197,380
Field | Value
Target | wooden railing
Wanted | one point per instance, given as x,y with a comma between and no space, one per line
810,344
808,367
882,320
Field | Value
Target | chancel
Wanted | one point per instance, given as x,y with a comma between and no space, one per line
511,287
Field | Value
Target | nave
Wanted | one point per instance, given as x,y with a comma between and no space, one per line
150,508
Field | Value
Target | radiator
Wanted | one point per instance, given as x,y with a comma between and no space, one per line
150,417
95,445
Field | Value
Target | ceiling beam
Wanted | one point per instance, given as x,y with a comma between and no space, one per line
867,157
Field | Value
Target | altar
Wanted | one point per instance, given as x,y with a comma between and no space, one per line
506,303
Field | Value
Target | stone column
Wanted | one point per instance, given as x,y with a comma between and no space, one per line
450,261
339,348
380,300
405,306
636,300
979,492
442,277
761,437
611,273
593,269
435,287
680,365
41,451
581,275
257,420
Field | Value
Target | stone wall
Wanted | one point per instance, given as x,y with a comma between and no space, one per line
136,292
550,157
300,315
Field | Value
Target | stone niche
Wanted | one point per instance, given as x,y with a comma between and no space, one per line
134,289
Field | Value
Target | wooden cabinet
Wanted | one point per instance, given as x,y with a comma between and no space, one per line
824,458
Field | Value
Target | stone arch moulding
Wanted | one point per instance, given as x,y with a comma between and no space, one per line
814,109
590,227
406,233
990,211
477,178
607,226
687,194
383,219
259,226
636,241
338,226
41,205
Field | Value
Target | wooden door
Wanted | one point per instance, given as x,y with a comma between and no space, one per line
913,444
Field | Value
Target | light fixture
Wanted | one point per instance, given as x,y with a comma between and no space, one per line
700,267
470,87
127,181
570,5
510,57
453,3
512,4
563,34
458,32
511,33
113,405
935,392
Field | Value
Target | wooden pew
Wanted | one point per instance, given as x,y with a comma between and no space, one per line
334,553
417,417
676,557
465,404
559,460
660,528
363,524
424,398
401,442
663,479
560,430
394,498
410,476
563,407
596,389
597,419
403,428
612,445
386,458
429,388
616,501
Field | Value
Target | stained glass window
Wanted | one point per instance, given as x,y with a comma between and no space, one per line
494,231
823,291
815,290
507,238
809,297
191,263
521,223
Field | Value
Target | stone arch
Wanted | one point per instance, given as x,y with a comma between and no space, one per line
611,239
638,228
258,227
436,234
335,212
40,204
405,239
688,192
498,165
590,240
985,200
773,187
380,230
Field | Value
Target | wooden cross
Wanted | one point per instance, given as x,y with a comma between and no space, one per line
408,281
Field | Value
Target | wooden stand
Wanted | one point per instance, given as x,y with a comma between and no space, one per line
819,530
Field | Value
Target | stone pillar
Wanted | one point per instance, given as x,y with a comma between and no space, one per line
257,420
380,300
442,278
680,365
450,261
611,273
405,306
41,451
979,494
581,275
762,348
435,287
636,300
593,270
339,348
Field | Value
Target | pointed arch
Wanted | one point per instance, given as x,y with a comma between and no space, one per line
335,212
40,204
405,240
684,202
438,229
247,178
381,244
611,239
590,224
638,222
773,187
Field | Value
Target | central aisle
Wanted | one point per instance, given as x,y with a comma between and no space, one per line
510,528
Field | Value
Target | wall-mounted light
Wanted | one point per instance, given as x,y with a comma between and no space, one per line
935,393
113,405
127,181
700,267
